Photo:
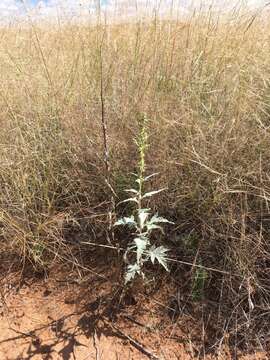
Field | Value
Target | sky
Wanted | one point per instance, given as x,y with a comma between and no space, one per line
12,9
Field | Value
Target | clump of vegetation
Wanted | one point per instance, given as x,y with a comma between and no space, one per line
143,222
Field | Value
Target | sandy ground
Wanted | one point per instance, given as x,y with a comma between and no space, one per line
62,319
50,319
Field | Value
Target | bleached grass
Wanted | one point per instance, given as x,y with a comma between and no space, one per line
205,84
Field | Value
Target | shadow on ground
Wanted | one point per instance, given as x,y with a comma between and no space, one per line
92,321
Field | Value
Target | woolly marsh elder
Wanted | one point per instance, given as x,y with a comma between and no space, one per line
143,222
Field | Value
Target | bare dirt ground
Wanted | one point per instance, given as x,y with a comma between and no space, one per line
66,317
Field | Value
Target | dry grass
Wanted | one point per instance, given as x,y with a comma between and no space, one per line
205,85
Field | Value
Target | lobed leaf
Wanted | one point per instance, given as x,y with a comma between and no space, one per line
156,219
132,270
159,254
130,221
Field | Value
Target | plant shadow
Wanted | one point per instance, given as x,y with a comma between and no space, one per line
91,321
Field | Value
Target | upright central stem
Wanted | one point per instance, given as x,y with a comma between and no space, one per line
142,145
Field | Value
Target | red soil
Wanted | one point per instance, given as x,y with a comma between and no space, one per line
63,319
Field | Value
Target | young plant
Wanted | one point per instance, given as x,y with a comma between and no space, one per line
198,284
140,250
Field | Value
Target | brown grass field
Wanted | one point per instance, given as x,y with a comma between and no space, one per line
204,85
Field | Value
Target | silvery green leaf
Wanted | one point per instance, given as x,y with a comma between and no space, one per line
151,193
153,227
129,276
155,219
143,215
132,191
132,270
129,200
159,254
130,221
150,176
141,244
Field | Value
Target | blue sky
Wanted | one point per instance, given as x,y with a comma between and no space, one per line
10,9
